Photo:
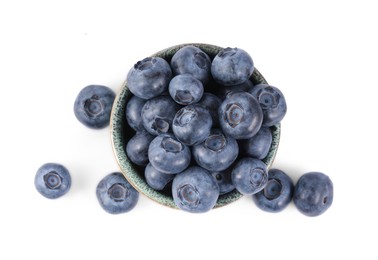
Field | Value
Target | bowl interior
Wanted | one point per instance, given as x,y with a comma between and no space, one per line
121,133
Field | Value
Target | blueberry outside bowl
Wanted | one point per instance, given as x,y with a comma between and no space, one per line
121,133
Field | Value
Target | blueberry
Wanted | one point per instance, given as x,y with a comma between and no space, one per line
277,193
211,102
158,113
258,146
249,175
93,105
272,102
313,194
185,89
115,194
192,60
137,147
52,180
195,190
149,77
217,152
134,113
191,124
168,155
156,179
223,91
240,115
224,180
232,66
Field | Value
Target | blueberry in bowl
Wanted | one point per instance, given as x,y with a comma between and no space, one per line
121,132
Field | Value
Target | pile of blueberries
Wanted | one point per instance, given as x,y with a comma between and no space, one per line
202,129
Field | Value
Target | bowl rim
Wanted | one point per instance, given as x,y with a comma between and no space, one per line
128,169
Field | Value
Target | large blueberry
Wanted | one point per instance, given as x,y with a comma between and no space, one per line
195,190
224,180
313,193
158,113
258,146
168,155
191,125
52,180
156,179
149,77
232,66
217,152
115,194
185,89
240,115
137,147
134,113
93,105
211,102
277,193
192,60
249,175
272,102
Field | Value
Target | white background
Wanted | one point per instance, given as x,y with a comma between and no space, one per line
322,55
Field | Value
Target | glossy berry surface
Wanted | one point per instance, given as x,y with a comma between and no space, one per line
134,113
223,91
232,66
211,102
258,146
191,125
156,179
313,194
272,102
185,89
115,194
224,181
137,147
149,77
158,113
168,155
277,193
93,105
195,190
52,180
240,115
217,152
192,60
249,175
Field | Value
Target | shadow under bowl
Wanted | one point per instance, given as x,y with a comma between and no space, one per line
120,134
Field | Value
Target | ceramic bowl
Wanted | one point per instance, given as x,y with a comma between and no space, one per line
121,133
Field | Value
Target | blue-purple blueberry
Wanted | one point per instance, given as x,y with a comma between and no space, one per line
185,89
277,193
211,102
115,194
195,190
258,146
52,180
168,155
158,113
134,113
191,124
232,66
192,60
224,181
149,77
313,193
156,179
249,175
240,115
137,147
217,152
272,102
93,106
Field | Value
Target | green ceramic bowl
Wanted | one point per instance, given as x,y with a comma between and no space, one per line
121,133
